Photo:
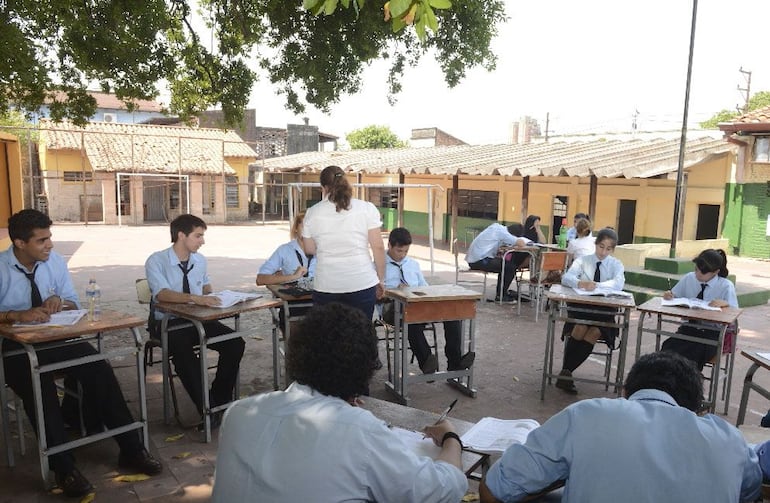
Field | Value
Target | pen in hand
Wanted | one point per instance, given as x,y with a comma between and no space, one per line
447,411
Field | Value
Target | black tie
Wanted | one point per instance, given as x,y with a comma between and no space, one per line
37,300
185,280
597,273
702,289
401,272
302,262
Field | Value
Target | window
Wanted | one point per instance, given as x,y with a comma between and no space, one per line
384,197
77,176
231,191
125,197
762,149
477,203
177,195
208,194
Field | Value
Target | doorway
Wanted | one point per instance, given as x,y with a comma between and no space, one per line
626,220
708,221
559,213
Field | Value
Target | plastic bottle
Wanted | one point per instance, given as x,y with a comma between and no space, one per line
563,233
94,300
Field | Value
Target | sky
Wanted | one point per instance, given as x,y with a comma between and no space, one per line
589,65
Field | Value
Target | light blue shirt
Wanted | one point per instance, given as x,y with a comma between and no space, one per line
611,272
718,288
571,234
51,278
163,272
411,271
285,259
489,241
644,449
299,445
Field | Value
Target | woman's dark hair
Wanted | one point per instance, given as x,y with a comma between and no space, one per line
337,187
334,351
529,232
712,260
22,225
669,372
607,233
583,227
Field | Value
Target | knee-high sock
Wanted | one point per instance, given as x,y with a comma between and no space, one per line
576,353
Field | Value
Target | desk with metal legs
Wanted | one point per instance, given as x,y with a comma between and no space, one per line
197,315
558,297
426,304
699,317
279,342
35,340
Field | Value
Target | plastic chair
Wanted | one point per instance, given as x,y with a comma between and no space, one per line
464,269
550,263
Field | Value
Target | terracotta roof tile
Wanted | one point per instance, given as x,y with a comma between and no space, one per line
142,148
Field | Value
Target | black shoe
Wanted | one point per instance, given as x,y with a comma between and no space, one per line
508,299
140,462
216,421
430,365
73,484
466,362
565,385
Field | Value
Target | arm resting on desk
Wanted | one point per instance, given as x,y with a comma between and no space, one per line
173,297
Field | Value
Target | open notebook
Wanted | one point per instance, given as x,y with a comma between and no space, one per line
230,298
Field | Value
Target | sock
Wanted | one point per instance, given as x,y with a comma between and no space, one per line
576,353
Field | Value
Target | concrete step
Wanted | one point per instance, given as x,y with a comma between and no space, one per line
677,265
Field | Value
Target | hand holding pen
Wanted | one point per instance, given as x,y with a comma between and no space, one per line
447,411
437,430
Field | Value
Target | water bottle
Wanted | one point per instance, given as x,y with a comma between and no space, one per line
563,233
94,300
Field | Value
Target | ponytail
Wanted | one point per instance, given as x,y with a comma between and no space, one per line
723,272
337,187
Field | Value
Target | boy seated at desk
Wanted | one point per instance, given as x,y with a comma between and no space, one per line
401,270
312,442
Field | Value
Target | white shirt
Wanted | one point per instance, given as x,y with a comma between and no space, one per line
299,445
611,272
582,246
488,241
342,245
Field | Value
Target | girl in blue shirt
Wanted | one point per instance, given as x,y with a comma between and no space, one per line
289,262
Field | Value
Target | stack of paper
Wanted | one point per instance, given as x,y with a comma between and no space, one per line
229,298
496,435
603,291
60,319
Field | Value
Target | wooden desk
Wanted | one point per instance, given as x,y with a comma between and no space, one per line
279,350
534,252
757,362
197,315
678,316
35,340
413,419
426,304
559,296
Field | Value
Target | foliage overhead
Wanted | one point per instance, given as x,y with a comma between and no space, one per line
759,100
373,137
56,49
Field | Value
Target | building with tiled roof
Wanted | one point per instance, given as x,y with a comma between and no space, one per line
111,109
153,168
626,184
747,194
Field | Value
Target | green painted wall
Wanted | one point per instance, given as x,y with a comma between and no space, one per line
415,221
731,226
649,239
753,220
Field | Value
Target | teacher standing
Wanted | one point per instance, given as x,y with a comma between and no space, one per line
340,231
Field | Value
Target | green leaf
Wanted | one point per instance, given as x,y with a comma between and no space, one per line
419,27
430,19
398,24
310,4
399,7
440,4
330,7
345,3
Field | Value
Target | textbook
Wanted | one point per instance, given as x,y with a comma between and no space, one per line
230,298
691,303
60,319
603,291
493,435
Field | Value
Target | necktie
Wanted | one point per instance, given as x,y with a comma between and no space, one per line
597,273
702,289
185,280
302,262
401,272
37,300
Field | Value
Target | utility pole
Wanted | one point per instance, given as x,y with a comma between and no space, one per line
634,123
746,91
547,123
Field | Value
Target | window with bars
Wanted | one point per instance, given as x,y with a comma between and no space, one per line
77,176
478,203
761,149
232,194
384,197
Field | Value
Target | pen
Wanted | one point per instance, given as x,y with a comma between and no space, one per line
447,411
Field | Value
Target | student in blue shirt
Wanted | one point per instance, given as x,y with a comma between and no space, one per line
708,282
483,254
402,270
34,283
588,272
572,232
289,262
650,446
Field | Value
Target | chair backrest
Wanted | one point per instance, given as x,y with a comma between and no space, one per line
143,294
553,261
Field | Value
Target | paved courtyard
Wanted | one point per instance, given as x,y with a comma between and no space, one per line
506,374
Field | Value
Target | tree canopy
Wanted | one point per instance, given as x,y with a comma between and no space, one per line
56,49
759,100
373,137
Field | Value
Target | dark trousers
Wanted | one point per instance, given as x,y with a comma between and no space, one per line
495,264
362,299
452,350
181,350
102,396
698,353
